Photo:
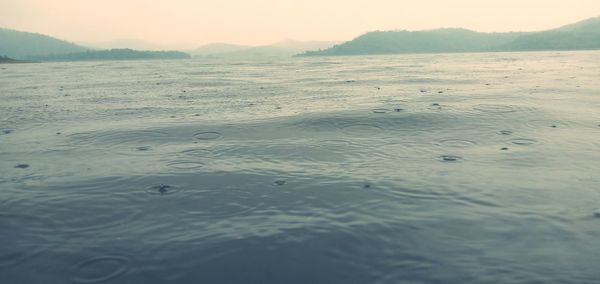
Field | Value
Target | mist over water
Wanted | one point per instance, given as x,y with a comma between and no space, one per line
455,168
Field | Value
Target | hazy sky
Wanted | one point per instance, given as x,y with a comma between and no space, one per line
265,21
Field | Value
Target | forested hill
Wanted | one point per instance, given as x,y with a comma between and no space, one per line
579,36
38,47
21,45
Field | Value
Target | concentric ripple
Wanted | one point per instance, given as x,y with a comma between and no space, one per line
24,237
199,152
101,269
496,108
81,208
523,141
361,130
456,143
209,135
186,165
541,124
381,110
118,138
81,137
223,202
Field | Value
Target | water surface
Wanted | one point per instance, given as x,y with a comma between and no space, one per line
459,168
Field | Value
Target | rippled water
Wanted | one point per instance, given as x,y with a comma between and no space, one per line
461,168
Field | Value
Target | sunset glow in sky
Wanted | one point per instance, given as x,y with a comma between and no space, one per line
257,22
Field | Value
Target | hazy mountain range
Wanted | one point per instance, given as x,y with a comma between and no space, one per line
583,35
126,43
286,48
32,46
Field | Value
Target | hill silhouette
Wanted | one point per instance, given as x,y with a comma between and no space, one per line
583,35
26,46
5,59
579,36
22,45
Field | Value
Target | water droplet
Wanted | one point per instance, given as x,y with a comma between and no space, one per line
450,158
162,189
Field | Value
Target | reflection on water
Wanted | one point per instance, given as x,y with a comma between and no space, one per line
461,168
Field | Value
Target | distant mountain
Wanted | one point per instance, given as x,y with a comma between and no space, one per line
20,45
578,36
286,48
218,48
113,54
291,44
135,44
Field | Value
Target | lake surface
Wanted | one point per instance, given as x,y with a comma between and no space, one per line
457,168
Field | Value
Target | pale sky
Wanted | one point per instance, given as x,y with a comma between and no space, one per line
256,22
